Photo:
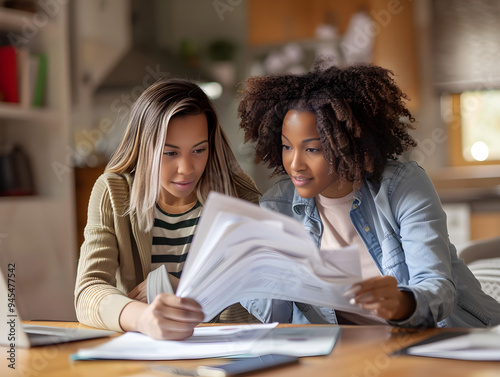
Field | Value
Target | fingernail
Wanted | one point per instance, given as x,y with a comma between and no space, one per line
352,290
364,297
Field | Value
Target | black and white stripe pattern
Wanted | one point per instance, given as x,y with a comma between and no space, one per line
172,236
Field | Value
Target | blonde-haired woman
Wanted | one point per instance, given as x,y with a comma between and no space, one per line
144,209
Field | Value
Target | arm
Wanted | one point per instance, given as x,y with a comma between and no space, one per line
428,291
98,301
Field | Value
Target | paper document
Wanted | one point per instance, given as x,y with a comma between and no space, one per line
220,341
478,344
241,251
298,341
158,282
210,341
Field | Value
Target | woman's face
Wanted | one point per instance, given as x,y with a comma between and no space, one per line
304,160
184,159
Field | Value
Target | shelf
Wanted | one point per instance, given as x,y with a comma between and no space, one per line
12,19
47,256
15,111
16,21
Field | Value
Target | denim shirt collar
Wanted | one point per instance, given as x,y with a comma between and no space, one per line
307,206
306,209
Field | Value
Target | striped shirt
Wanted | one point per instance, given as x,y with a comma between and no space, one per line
172,236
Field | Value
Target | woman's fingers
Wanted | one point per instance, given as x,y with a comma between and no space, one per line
179,309
170,317
382,296
374,289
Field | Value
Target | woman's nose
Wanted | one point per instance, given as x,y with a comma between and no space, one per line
186,166
297,163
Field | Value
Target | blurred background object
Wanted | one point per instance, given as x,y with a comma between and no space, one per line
16,176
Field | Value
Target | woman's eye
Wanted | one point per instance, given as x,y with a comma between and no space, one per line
286,147
170,154
313,150
198,151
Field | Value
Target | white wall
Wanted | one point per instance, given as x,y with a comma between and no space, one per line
202,22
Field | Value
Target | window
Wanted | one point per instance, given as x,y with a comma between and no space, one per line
473,119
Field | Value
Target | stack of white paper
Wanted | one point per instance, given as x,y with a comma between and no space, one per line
241,251
477,345
220,341
212,341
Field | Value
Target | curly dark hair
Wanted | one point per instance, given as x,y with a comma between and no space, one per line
361,117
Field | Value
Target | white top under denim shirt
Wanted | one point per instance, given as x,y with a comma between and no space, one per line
403,225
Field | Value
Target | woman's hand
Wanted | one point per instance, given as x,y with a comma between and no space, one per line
382,296
167,317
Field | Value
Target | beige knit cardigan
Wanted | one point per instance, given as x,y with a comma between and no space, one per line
116,256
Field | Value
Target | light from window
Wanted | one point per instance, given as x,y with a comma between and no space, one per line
479,151
480,119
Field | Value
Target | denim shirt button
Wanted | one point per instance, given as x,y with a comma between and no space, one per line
367,228
354,206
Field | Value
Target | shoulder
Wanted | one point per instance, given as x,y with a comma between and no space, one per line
406,181
397,169
113,188
282,191
114,182
400,179
404,173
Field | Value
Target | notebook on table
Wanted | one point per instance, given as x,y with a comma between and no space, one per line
26,336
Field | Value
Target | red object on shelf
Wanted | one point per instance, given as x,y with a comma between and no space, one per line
8,74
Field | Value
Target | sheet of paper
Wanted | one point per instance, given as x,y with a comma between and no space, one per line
158,282
220,341
479,344
298,341
241,251
272,276
210,341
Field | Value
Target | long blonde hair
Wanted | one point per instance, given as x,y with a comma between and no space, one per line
141,148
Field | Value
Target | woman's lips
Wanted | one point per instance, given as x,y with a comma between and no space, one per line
183,185
300,181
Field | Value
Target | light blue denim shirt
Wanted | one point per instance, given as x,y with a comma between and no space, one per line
403,225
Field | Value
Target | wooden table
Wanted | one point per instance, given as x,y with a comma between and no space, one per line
362,351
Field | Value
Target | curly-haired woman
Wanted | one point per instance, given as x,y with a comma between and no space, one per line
338,134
